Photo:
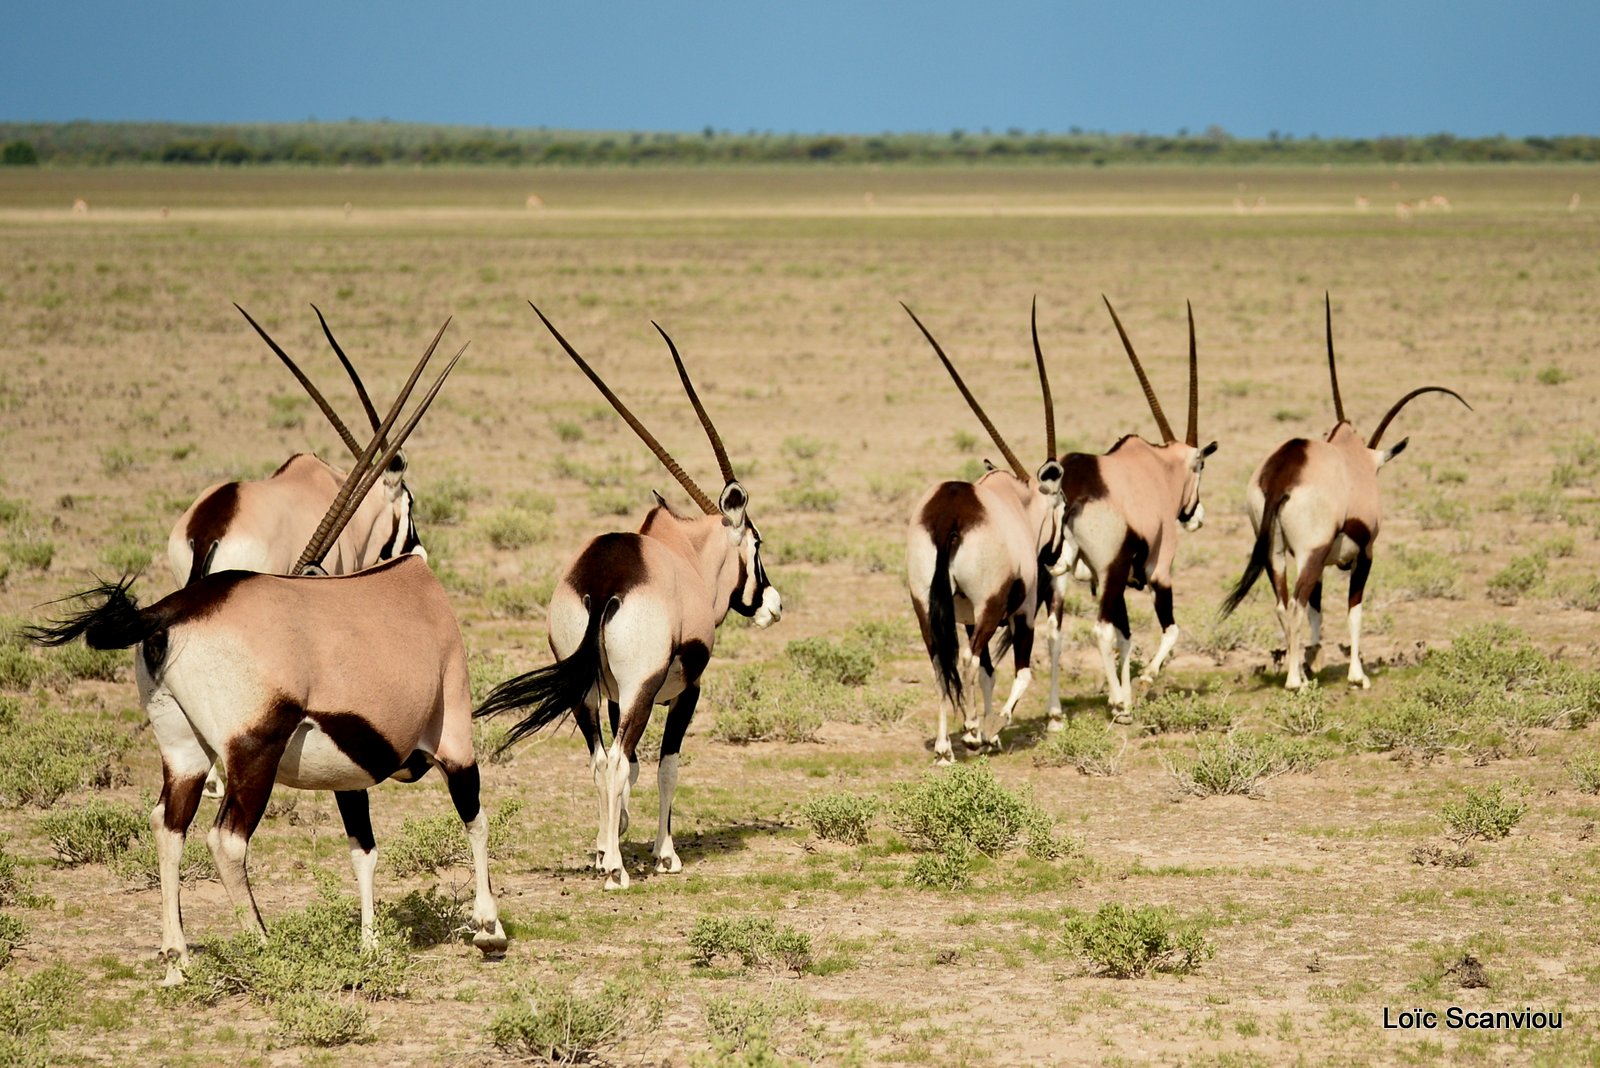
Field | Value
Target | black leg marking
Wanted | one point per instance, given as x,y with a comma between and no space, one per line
180,797
1316,597
638,717
614,713
464,791
1358,577
679,715
357,816
1164,614
1021,642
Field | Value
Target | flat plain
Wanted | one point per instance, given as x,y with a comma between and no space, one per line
1326,891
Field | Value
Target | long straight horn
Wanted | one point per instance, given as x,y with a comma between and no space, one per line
333,522
707,505
972,402
1333,368
361,390
1192,436
376,469
1149,394
327,410
1044,386
1377,435
699,409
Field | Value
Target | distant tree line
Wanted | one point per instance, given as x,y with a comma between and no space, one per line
375,143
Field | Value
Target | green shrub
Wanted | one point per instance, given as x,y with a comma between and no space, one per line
849,663
1521,576
757,704
1302,712
1084,742
118,460
1175,711
821,546
1585,772
966,804
126,557
140,864
428,917
754,940
13,933
745,1027
95,833
444,502
949,868
33,1007
1241,761
1488,814
1578,593
1130,942
562,1026
842,817
1442,510
316,950
1553,375
428,843
31,553
1421,574
613,501
567,430
521,600
51,754
318,1020
810,497
514,528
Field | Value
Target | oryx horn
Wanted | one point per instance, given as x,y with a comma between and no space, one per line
1044,386
361,390
366,471
1192,436
699,409
1149,394
327,410
972,402
707,505
1377,434
1333,368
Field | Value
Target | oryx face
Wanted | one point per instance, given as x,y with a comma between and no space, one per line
402,537
754,595
1191,513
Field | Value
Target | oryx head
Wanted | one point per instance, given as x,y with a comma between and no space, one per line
1188,452
751,593
394,530
1343,429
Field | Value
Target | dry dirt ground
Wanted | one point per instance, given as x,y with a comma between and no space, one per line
128,384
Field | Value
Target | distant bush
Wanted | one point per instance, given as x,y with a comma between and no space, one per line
757,704
1085,742
19,154
753,940
1240,762
1131,942
842,817
1489,814
849,663
443,502
1518,578
1184,711
553,1025
966,806
516,528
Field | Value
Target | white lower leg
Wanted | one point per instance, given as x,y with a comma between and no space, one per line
364,862
627,796
976,730
1125,658
597,766
488,935
1052,704
1106,636
169,854
1295,657
1314,645
665,852
1019,686
616,794
1169,639
943,752
228,851
1358,677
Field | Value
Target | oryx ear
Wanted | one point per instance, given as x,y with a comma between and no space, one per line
1198,460
661,502
732,503
988,466
395,474
1049,477
1392,451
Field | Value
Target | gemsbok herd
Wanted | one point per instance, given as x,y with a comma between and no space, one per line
310,644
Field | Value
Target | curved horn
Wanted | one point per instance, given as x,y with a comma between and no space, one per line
1192,435
699,409
361,390
1333,368
1044,385
327,410
376,469
972,402
1377,435
333,522
1149,394
707,505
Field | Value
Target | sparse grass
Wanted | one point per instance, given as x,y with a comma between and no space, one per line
118,460
318,1020
1584,771
13,934
559,1025
285,411
1176,711
842,817
126,557
613,501
1518,578
810,496
757,704
1489,813
33,1007
1442,511
515,528
1421,574
521,600
746,1028
32,553
443,502
95,833
428,843
752,940
1582,593
1553,375
1240,762
848,662
1130,942
1085,742
51,753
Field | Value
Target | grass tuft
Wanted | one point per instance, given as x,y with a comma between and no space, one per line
753,940
842,817
1085,742
1489,814
562,1026
1130,942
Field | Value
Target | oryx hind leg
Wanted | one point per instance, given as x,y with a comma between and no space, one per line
636,702
1022,661
356,815
614,714
979,635
252,766
1169,631
588,719
184,762
1358,586
1310,575
1053,637
1314,657
679,713
487,933
1115,639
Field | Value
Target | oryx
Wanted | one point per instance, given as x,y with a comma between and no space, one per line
1122,514
975,553
261,525
633,620
1318,502
320,683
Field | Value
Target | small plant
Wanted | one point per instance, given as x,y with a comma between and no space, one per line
140,863
514,528
125,556
842,817
1131,942
745,1027
428,843
949,868
1431,856
849,663
1302,713
757,704
754,940
13,933
1585,772
966,804
567,430
1175,711
1489,814
318,1020
1421,574
562,1026
612,501
428,917
118,460
1085,742
1240,762
33,1007
35,554
810,497
50,754
285,411
95,833
1553,375
1517,578
444,502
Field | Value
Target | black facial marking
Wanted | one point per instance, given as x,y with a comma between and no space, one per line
358,740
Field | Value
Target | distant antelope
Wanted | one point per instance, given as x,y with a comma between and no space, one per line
319,683
1123,511
1362,203
1318,502
633,620
261,525
974,557
80,207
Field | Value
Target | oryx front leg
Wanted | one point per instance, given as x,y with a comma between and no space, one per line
1022,660
357,818
679,713
487,933
1169,632
1358,585
1052,703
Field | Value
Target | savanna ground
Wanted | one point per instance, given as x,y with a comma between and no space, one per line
128,384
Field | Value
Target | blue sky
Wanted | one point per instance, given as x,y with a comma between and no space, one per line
1352,69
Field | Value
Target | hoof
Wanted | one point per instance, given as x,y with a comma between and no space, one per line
993,745
941,760
1147,677
1055,726
669,865
1293,684
617,879
491,941
1121,715
1360,682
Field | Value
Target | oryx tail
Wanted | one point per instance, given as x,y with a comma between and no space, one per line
1260,556
942,619
551,692
111,620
